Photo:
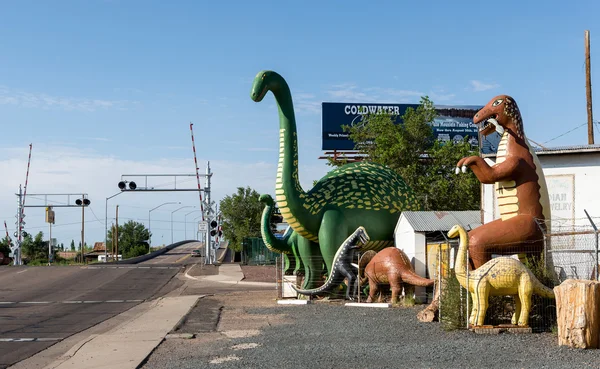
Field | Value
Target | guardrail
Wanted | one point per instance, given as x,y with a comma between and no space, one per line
139,259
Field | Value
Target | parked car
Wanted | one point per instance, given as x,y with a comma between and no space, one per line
197,252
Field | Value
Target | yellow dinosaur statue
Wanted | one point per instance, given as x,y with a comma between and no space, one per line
498,277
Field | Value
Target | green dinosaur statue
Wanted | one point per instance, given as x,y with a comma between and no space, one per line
287,245
356,194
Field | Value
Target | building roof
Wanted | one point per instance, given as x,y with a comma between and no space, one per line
575,149
431,221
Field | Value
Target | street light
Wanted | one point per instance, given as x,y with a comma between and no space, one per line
185,221
150,233
183,207
106,226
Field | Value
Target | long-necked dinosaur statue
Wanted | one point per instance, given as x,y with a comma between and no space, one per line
287,245
391,266
520,186
356,194
498,277
342,266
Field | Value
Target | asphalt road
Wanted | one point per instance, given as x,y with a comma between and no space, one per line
42,305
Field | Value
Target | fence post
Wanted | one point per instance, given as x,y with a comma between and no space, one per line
596,233
544,235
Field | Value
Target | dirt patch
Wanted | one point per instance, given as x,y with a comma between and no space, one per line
259,273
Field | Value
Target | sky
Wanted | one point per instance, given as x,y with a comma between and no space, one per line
106,88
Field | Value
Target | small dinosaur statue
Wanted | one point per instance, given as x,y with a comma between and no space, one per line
391,266
520,186
342,266
498,277
356,194
287,245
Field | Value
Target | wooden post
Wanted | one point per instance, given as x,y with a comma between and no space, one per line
578,313
588,88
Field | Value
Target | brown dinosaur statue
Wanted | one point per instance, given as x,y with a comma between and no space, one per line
390,266
521,191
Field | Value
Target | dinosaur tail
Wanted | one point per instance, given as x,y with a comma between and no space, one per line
410,277
541,290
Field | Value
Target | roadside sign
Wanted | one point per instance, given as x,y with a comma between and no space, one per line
203,227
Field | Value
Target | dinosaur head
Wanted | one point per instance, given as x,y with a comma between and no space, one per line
500,114
454,231
263,82
266,199
360,238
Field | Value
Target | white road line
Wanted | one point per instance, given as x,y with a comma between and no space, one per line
92,302
22,271
114,301
7,302
72,302
43,339
36,302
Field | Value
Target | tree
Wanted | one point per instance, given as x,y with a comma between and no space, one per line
5,246
426,165
35,248
241,213
133,239
72,245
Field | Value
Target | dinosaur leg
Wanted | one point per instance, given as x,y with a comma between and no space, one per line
309,251
525,294
351,278
299,266
474,309
373,289
519,234
289,264
332,234
517,314
396,287
482,302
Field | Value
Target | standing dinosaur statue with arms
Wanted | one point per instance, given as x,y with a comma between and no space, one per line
342,266
354,195
497,277
519,183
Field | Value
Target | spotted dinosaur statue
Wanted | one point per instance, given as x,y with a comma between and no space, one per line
343,268
390,266
500,276
356,194
287,245
520,187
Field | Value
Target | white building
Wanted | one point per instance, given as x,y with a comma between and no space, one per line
572,174
419,233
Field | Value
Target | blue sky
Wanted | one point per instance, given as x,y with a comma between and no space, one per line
104,88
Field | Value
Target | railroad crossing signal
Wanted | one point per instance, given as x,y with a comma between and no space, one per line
123,185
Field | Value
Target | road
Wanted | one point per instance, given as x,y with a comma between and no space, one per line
40,306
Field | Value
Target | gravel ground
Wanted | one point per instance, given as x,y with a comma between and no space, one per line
254,332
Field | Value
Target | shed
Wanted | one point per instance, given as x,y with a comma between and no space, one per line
416,229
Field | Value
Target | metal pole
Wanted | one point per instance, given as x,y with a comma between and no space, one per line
82,227
50,242
149,233
596,232
117,233
106,230
467,268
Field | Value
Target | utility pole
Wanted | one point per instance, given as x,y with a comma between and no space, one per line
588,88
82,230
117,234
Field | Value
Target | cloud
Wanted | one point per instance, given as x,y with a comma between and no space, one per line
44,101
68,170
479,86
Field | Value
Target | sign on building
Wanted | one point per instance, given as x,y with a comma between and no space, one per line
453,123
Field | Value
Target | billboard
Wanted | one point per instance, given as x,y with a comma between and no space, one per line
454,122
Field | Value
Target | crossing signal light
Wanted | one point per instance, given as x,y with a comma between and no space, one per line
123,185
213,226
84,202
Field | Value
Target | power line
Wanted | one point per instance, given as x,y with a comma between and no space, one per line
559,136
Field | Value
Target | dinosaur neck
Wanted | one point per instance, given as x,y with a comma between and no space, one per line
460,264
289,194
273,243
